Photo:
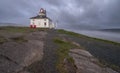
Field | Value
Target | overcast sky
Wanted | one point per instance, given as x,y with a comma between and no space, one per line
73,14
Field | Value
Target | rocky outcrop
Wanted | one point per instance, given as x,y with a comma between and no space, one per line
86,63
14,56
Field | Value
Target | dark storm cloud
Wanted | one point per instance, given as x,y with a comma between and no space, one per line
67,13
104,13
55,2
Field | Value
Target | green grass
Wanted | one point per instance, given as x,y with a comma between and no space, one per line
2,40
63,53
68,33
19,39
13,29
86,37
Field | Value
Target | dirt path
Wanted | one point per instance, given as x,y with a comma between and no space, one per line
48,63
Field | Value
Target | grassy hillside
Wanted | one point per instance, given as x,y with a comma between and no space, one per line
106,51
86,37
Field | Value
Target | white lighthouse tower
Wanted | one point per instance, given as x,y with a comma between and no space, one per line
41,20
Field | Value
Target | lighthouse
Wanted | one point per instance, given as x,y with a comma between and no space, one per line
41,20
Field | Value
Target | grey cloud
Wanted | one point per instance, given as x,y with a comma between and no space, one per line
68,13
55,2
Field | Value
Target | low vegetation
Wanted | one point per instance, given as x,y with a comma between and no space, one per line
86,37
19,39
2,40
12,29
101,62
62,52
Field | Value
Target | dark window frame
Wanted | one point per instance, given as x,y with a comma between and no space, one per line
45,23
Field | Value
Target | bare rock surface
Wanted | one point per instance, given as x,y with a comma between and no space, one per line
14,56
86,63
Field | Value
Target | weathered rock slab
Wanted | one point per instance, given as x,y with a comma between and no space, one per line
14,56
85,62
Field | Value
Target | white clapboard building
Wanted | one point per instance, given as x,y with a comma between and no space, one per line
41,20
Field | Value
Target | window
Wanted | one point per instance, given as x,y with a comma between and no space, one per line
45,23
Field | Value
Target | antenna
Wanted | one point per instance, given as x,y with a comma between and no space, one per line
56,23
